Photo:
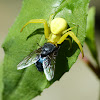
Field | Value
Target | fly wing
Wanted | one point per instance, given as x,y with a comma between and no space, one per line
49,66
30,59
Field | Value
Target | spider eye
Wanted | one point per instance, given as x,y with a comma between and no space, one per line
58,25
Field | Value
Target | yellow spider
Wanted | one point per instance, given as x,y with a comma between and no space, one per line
57,31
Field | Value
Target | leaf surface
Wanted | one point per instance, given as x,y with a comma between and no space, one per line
28,83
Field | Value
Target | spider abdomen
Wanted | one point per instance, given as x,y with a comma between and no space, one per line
58,25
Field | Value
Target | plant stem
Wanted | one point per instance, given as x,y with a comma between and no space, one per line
95,69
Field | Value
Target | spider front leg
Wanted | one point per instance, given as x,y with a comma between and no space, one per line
71,34
69,29
50,18
46,28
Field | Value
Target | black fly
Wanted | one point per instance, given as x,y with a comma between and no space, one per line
44,59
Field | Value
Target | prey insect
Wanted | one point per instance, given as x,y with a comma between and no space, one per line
45,57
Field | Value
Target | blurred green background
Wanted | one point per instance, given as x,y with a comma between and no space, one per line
79,83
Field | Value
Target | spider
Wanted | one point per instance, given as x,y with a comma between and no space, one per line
57,32
44,58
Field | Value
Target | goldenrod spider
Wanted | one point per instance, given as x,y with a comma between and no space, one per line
57,32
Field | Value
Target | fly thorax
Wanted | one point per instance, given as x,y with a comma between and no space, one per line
47,49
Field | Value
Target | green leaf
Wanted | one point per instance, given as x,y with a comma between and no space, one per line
28,83
90,37
1,81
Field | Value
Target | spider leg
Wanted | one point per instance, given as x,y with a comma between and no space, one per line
69,29
46,28
50,18
71,34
